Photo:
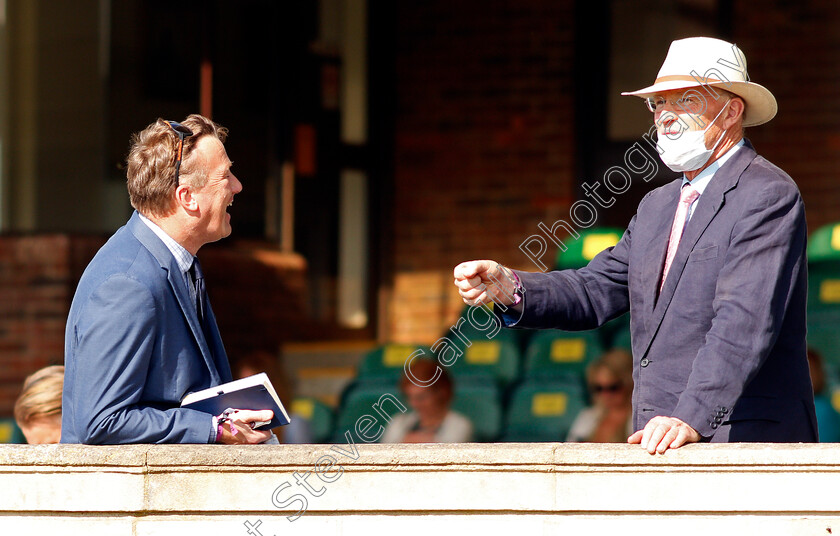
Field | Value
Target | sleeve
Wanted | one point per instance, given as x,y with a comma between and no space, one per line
584,425
455,429
764,260
396,430
577,299
113,344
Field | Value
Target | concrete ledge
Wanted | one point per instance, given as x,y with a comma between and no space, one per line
497,488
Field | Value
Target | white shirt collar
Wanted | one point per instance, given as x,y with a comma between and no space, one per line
183,257
700,182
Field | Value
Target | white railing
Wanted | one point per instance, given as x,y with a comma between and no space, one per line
471,490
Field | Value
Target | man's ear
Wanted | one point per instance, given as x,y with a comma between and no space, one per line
185,198
737,109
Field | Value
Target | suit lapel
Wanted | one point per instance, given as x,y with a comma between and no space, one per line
709,204
176,282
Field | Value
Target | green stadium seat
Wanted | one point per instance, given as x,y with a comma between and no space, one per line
493,360
824,295
554,353
481,403
359,399
543,410
583,249
622,340
385,364
578,254
824,244
824,311
493,353
828,415
318,414
10,433
614,330
824,285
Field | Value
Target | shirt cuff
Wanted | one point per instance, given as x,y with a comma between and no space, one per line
517,293
214,433
513,314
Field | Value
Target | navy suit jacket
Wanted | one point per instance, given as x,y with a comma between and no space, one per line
134,347
723,346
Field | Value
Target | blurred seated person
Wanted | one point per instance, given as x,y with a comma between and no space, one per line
828,420
431,420
38,408
610,417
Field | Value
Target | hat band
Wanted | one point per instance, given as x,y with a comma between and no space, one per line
684,78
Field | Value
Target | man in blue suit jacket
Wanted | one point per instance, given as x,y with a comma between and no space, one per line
138,336
712,269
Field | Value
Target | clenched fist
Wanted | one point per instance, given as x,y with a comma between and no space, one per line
482,282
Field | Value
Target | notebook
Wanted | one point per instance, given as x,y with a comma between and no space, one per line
254,392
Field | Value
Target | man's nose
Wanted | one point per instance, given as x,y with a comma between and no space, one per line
236,186
665,119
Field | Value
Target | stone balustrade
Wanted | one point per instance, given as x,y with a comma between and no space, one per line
472,489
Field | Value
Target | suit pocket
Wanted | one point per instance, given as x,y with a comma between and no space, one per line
703,254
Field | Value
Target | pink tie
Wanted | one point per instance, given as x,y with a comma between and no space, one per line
687,196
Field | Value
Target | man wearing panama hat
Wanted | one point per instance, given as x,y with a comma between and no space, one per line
712,269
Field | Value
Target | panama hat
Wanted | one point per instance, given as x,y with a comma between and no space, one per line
699,61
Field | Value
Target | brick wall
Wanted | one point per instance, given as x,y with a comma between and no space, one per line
484,147
256,291
37,278
793,49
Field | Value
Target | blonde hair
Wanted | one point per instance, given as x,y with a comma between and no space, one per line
150,175
618,362
41,395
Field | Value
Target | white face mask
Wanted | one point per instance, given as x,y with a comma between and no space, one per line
688,151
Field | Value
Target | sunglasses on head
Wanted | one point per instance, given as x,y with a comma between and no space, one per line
182,132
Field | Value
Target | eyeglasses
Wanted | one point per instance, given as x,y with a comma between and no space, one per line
690,104
182,132
609,388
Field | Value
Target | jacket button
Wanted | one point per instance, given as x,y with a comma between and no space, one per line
714,425
644,362
718,420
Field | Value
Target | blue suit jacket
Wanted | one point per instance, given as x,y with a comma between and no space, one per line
723,346
134,348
